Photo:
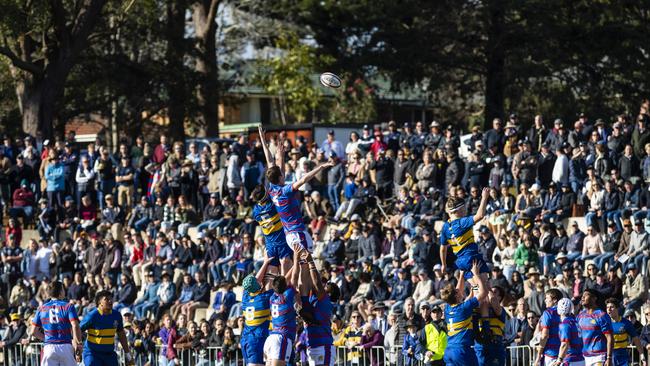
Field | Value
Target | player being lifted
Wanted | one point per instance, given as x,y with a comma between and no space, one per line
285,196
458,233
57,325
266,215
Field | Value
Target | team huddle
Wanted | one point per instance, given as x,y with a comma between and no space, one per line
288,287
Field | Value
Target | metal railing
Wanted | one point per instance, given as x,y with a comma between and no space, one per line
30,355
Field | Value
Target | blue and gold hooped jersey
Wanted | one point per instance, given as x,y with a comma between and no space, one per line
101,329
257,311
268,218
459,235
460,328
623,333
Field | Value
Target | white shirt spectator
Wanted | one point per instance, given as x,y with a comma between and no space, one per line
43,262
334,146
561,169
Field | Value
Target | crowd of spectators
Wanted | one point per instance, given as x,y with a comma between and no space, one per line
164,225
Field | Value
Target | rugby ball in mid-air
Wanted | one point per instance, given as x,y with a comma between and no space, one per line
330,80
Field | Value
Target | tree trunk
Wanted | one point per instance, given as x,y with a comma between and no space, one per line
204,14
175,52
41,83
38,106
495,65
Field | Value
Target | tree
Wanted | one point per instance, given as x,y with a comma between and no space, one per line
354,103
204,13
43,41
289,77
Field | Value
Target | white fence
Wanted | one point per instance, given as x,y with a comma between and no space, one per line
29,355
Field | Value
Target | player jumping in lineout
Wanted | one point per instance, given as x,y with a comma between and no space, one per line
458,233
285,196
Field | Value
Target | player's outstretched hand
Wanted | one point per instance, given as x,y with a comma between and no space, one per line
485,193
328,164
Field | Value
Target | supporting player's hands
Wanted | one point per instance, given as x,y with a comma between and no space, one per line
476,268
327,164
485,194
443,269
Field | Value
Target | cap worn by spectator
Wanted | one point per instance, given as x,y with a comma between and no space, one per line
425,305
378,306
561,255
330,132
15,316
532,271
126,311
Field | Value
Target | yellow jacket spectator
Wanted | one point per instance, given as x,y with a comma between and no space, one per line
434,341
351,338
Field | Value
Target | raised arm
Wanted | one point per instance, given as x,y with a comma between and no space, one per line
267,154
316,282
443,258
262,272
482,290
485,195
280,153
307,177
295,274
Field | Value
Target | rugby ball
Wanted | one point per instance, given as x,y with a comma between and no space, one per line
330,80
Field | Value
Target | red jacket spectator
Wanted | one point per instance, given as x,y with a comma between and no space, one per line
23,197
17,233
88,212
378,145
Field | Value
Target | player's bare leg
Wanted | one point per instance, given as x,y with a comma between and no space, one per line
285,265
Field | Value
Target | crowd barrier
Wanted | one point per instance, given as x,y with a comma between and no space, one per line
30,355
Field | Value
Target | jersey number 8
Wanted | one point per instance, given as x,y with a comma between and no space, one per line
249,313
53,315
275,310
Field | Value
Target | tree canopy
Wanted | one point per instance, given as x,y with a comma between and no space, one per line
475,59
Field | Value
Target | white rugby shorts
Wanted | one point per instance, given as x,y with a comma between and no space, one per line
299,239
598,360
58,355
321,356
278,347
